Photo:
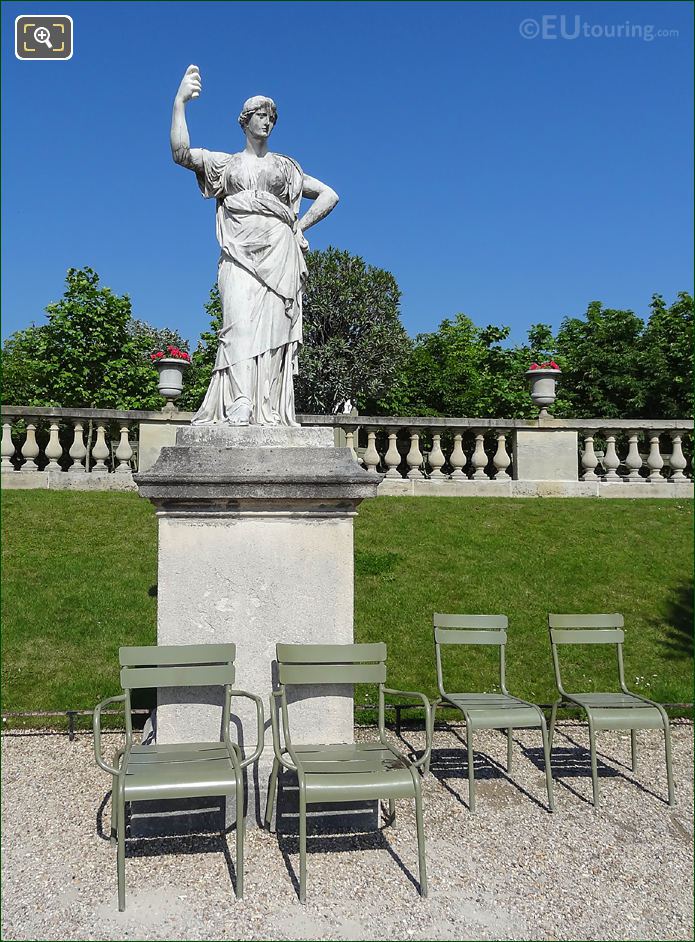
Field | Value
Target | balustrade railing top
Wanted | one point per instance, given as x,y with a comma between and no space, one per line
353,421
458,449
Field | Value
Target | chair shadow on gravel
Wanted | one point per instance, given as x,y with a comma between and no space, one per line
448,764
192,843
574,761
323,843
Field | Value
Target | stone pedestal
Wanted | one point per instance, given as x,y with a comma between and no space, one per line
255,547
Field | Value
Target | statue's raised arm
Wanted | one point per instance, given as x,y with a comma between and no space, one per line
189,88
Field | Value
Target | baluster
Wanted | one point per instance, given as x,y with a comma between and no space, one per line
30,448
479,458
8,447
677,461
392,458
349,441
371,455
501,459
78,451
633,461
436,458
458,459
100,451
589,459
611,461
654,460
124,452
54,449
414,457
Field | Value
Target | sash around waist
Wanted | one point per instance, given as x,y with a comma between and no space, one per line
259,202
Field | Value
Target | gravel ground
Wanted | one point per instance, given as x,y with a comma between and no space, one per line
512,871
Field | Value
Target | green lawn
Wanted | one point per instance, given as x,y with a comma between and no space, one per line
79,578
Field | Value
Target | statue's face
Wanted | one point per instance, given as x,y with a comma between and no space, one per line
260,123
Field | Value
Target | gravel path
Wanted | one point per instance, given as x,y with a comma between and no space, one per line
512,871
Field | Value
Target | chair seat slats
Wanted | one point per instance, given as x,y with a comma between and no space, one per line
177,752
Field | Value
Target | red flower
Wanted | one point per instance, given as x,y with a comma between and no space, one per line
173,352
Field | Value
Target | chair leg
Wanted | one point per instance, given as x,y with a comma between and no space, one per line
392,810
422,863
239,797
302,843
120,855
430,719
548,765
633,741
471,769
594,766
272,788
553,718
510,746
669,765
113,828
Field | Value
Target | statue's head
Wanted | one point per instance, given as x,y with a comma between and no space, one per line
258,116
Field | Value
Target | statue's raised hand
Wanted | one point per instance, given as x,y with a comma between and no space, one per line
190,84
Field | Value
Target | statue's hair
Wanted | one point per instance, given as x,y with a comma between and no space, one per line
251,105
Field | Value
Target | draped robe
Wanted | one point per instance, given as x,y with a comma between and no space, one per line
260,276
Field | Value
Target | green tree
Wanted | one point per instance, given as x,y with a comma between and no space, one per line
600,357
354,341
91,353
461,370
667,359
203,357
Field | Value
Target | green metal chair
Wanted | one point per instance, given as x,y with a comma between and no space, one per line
345,771
624,710
486,710
185,770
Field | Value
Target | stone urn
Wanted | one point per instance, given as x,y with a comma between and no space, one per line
543,381
170,383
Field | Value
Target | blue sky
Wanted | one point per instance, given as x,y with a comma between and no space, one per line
514,179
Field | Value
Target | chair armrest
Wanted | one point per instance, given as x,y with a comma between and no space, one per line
96,726
277,745
260,722
414,695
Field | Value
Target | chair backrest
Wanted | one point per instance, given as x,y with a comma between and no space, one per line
177,665
586,629
331,663
469,629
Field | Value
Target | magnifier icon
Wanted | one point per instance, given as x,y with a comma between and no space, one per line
43,35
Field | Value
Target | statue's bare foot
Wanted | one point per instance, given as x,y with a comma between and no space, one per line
240,413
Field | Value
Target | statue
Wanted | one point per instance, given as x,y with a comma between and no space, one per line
261,270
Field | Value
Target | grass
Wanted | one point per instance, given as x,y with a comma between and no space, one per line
80,572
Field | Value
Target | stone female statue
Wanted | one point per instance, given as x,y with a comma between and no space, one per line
261,271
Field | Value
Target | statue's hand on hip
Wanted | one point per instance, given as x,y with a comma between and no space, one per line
191,84
302,240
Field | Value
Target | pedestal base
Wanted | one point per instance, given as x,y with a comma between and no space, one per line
255,547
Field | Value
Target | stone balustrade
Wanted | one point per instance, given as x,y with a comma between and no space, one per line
99,449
